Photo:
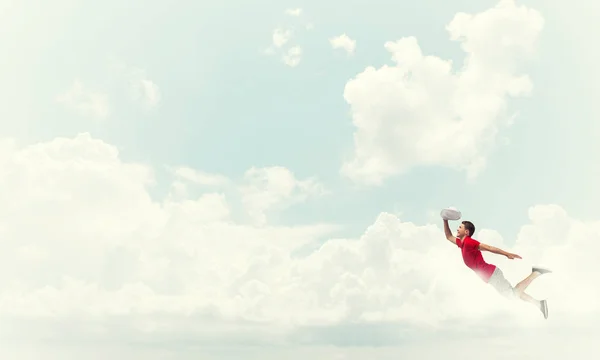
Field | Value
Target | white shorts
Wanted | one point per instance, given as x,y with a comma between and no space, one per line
499,282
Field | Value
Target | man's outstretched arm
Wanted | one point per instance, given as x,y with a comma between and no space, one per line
449,235
495,250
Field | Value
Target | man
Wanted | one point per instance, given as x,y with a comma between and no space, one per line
471,253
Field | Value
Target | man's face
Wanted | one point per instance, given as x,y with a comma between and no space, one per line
461,231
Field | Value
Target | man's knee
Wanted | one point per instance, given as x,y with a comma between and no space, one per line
520,294
517,292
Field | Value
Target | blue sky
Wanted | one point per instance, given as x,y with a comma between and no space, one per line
225,106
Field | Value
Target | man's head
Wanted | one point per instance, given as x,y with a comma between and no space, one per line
466,228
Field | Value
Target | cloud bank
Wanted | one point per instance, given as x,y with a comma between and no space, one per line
86,247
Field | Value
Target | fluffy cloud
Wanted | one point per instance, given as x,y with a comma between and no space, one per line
293,56
343,42
274,188
294,12
143,89
289,52
85,102
290,55
85,245
136,83
281,37
199,177
138,87
420,112
260,192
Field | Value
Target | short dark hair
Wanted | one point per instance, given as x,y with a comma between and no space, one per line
469,226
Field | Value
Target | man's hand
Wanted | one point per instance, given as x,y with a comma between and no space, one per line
513,256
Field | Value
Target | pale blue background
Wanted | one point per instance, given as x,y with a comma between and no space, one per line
226,106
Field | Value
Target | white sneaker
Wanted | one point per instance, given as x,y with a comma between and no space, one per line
544,308
540,269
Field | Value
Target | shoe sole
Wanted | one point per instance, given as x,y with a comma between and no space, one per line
544,308
541,270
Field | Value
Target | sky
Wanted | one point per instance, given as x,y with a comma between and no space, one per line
225,180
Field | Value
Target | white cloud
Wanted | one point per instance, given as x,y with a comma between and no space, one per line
139,87
281,37
293,56
143,89
343,42
420,112
294,12
137,83
86,103
90,256
188,181
260,192
84,240
171,253
200,177
274,188
284,41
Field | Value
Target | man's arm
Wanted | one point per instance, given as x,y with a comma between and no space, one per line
495,250
449,235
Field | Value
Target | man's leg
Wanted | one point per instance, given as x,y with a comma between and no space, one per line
535,272
521,286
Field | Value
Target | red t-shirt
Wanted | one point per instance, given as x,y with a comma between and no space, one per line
473,259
